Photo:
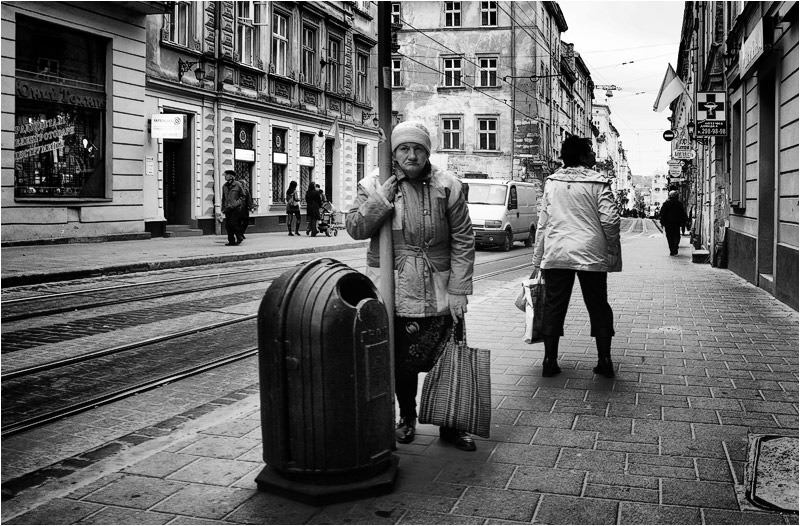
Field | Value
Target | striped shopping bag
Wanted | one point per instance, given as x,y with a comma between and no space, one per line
457,391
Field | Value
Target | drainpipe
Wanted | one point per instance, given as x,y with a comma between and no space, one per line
513,93
217,127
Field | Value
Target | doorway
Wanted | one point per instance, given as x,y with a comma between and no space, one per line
767,144
177,191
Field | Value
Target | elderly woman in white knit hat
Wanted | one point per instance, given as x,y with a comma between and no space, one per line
434,255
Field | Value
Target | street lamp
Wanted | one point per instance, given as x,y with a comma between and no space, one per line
184,66
690,128
365,116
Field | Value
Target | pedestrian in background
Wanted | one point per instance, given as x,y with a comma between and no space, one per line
434,256
578,233
293,209
232,205
673,217
322,197
313,205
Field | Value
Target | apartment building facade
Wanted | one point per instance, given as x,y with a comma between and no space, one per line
126,114
739,63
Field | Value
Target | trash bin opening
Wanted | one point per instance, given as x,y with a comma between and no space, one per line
355,288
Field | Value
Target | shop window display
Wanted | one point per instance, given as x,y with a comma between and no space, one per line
59,132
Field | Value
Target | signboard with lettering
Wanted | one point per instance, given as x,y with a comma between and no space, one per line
711,109
752,49
168,126
681,153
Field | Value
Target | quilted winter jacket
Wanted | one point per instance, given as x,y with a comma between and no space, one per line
578,223
434,246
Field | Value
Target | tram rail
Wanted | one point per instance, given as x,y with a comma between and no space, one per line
46,409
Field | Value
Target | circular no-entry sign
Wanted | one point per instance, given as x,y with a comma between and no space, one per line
669,135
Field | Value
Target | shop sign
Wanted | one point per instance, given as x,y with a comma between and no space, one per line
242,154
280,158
752,49
711,114
44,92
305,161
681,153
168,126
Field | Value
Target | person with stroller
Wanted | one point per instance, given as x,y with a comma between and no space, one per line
293,209
313,205
434,256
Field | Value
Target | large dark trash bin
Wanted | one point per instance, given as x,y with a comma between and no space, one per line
326,400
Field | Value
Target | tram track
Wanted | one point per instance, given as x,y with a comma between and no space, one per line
115,373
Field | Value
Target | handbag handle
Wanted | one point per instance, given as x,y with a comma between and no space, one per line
459,331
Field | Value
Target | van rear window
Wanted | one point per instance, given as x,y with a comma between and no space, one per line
486,194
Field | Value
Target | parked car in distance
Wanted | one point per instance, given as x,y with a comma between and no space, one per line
502,212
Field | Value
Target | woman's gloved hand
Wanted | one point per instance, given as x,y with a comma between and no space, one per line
389,188
458,306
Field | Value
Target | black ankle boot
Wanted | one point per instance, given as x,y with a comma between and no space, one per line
604,364
550,362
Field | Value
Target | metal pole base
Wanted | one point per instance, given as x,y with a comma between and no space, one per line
269,481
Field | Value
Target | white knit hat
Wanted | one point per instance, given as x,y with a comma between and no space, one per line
411,131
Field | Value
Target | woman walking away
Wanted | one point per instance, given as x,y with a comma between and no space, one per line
434,256
313,204
293,209
578,233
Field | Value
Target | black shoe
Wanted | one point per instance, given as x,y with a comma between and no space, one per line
406,430
550,367
460,439
604,366
290,233
240,240
243,238
230,244
297,233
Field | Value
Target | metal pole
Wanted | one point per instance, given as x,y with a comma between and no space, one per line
386,254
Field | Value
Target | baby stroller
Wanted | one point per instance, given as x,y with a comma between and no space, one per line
328,222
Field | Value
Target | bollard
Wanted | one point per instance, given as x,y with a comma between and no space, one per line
326,400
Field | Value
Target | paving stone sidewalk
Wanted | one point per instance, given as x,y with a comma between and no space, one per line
705,361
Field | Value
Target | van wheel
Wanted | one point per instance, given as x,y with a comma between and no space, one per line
508,242
530,239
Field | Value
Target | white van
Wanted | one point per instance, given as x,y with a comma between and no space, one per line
502,211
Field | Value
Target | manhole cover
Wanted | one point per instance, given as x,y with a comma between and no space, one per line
772,472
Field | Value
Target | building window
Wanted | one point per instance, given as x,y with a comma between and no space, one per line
309,55
488,72
395,12
246,33
397,73
177,23
362,62
452,72
487,134
60,112
279,183
452,14
333,64
361,161
280,44
488,14
306,172
451,133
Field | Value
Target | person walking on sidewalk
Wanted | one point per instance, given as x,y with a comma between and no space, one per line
232,205
293,209
434,257
673,217
313,205
578,233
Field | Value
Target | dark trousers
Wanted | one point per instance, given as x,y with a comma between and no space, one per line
557,293
233,226
293,221
673,233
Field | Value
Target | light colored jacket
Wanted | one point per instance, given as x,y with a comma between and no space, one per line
578,223
434,246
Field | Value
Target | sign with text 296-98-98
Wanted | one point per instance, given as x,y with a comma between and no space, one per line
711,109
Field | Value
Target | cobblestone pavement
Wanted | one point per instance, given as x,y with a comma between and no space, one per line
705,361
